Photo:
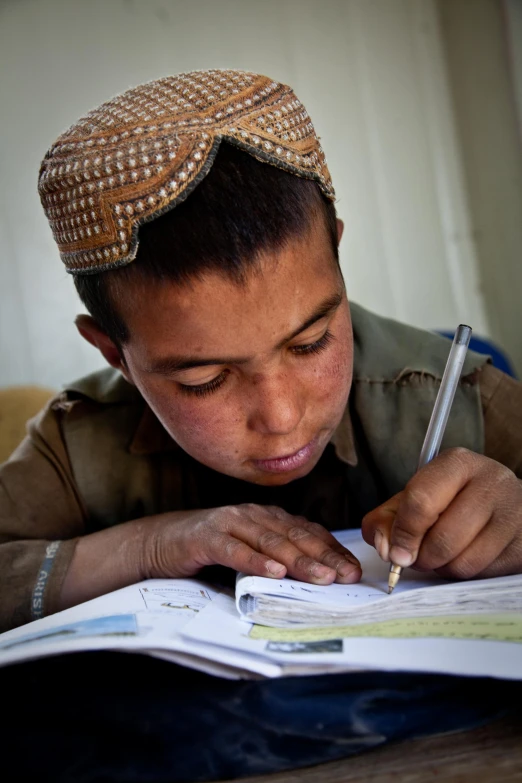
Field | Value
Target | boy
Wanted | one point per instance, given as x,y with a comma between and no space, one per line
242,420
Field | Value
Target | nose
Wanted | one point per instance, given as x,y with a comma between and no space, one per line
276,404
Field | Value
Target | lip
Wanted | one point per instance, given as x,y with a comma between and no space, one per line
288,462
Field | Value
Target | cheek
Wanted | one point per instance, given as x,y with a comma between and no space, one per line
200,426
332,375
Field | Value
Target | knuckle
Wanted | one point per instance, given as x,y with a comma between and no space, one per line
416,501
403,536
461,460
298,534
303,562
504,474
314,527
226,518
331,558
270,540
220,518
440,546
231,547
460,568
253,558
459,453
278,513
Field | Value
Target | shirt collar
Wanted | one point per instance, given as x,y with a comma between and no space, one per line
343,440
150,436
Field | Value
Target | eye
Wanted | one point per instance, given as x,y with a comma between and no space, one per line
205,388
316,347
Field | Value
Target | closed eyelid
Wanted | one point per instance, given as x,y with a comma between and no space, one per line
320,332
314,332
192,380
207,387
327,312
304,349
173,365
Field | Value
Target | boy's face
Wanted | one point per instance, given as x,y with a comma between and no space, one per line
251,380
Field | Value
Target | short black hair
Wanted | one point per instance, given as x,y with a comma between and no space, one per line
242,208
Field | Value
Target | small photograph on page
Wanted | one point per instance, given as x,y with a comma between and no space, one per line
322,646
114,625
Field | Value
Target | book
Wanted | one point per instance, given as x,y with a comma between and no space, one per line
431,625
288,603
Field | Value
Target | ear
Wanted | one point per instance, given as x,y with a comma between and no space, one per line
340,229
91,332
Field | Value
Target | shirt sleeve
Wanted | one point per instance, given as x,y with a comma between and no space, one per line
41,516
502,407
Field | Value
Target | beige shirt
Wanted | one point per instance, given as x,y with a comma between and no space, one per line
41,502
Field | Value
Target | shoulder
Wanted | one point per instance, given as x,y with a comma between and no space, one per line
501,398
107,386
86,404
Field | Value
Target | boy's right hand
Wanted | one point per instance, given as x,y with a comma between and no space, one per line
257,540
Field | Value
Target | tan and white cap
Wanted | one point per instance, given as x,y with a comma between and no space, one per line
141,153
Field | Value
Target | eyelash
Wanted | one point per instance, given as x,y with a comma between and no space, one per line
205,388
316,347
299,350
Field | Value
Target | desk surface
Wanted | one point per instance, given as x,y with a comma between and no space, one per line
492,752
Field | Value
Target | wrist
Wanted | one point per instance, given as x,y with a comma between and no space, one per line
153,546
135,546
105,561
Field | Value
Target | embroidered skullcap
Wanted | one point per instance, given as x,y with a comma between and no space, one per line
143,152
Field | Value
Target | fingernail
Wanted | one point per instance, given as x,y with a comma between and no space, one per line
345,569
401,557
274,568
381,545
321,571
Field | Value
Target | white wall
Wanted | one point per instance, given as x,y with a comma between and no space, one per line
371,73
483,57
513,27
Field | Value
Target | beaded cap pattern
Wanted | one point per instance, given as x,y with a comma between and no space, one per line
143,152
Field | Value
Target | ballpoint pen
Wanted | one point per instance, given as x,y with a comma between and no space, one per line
440,414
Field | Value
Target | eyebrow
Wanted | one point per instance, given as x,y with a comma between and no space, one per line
173,364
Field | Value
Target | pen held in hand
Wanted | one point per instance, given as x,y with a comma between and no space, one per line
440,414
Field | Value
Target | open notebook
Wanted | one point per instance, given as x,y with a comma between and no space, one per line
286,603
472,628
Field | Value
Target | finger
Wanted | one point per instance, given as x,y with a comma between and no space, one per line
276,545
507,562
231,552
334,556
317,530
292,537
377,525
496,551
426,496
456,528
265,536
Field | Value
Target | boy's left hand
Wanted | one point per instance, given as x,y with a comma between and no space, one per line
460,515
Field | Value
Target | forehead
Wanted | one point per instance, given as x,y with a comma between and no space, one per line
280,290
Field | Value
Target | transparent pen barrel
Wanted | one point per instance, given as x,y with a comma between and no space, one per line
444,400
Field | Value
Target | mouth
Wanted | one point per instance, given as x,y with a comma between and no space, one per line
288,462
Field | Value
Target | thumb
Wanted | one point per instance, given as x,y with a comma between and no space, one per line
377,525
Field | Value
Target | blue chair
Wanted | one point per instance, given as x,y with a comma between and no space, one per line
487,346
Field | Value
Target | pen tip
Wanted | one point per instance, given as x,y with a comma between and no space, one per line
390,589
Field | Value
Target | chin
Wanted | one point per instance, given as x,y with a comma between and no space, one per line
270,480
280,479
